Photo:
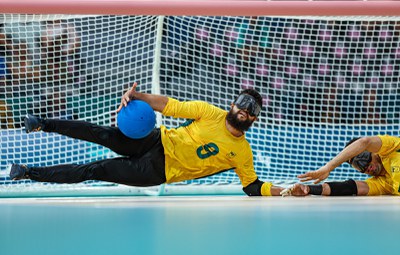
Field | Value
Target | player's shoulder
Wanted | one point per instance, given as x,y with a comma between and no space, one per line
388,137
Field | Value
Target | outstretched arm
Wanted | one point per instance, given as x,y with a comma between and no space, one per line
371,144
260,188
157,102
276,190
345,188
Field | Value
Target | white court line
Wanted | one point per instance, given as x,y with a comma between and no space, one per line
297,203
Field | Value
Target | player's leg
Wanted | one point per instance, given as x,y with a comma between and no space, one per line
110,137
148,170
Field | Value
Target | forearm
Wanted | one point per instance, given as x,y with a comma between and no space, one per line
260,188
345,188
344,156
371,144
157,102
276,190
326,189
321,189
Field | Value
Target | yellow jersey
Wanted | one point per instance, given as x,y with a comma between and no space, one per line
205,146
390,156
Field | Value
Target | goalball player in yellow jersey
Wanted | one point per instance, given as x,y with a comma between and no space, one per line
377,156
214,141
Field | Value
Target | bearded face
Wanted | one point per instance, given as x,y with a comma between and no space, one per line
239,119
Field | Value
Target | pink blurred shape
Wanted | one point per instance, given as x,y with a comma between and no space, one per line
324,69
202,33
291,33
357,69
325,35
307,50
262,70
231,70
216,50
247,84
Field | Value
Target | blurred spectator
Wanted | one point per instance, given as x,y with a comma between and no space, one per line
6,120
253,31
309,71
374,113
60,47
24,32
3,67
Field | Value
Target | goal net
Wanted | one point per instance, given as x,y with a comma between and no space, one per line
324,81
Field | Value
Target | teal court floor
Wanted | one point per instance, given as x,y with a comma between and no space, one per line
190,225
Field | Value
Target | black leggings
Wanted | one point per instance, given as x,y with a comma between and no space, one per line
142,165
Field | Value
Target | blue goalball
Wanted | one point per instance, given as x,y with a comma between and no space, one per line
137,119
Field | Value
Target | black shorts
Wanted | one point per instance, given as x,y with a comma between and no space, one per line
142,162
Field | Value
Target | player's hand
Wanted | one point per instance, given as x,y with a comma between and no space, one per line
128,96
298,190
316,176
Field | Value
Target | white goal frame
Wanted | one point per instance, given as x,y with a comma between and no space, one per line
203,7
182,8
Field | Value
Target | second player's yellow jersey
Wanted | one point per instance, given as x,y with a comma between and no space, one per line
205,146
390,156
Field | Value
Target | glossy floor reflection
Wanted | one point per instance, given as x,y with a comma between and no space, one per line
200,225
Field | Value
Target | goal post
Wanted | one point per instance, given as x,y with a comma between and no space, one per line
324,79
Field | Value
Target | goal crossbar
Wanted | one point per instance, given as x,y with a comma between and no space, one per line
202,7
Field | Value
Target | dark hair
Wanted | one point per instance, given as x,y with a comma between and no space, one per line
347,144
254,93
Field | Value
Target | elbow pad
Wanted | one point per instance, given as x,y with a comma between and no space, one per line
254,188
346,188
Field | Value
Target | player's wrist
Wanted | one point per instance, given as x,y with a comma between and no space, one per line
307,190
315,189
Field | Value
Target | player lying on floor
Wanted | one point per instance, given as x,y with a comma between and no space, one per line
377,156
212,142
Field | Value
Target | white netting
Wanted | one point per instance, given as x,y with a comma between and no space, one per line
324,81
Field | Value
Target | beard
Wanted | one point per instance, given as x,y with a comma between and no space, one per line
241,125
